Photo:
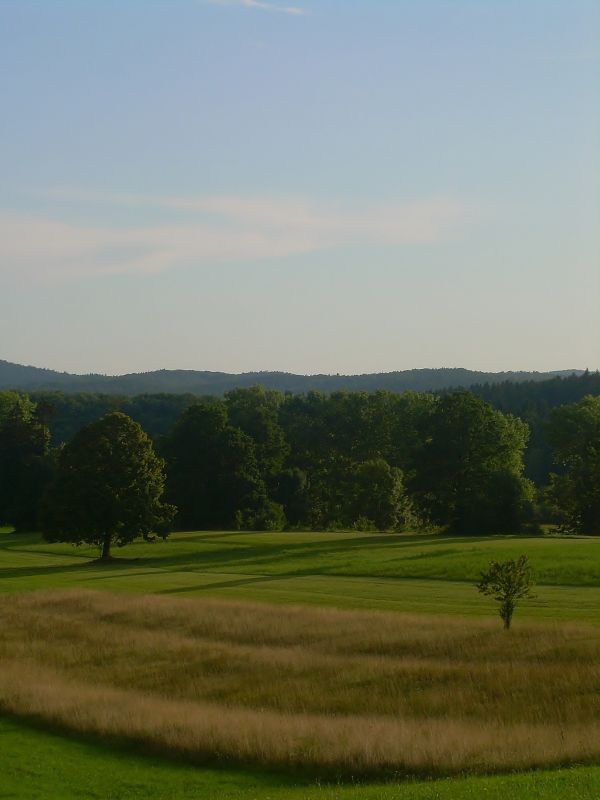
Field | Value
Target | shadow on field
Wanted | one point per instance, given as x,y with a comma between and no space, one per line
279,559
125,749
265,553
230,584
55,569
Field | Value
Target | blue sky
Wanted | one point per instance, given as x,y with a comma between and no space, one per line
309,185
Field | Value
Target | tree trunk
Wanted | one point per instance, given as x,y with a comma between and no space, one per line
106,547
506,613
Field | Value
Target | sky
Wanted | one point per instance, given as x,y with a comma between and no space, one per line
314,186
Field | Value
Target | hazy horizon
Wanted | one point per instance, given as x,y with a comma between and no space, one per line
300,186
303,374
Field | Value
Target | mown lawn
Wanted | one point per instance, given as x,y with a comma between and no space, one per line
38,765
416,573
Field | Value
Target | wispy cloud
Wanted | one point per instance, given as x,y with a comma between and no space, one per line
274,8
207,231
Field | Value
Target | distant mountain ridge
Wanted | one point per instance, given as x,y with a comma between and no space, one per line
26,378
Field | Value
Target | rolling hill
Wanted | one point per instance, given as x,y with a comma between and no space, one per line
27,378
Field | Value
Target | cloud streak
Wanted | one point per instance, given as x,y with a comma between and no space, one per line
208,231
273,8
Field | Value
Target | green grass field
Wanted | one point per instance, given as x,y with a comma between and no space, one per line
39,765
416,573
401,573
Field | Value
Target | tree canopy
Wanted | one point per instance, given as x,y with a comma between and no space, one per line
574,433
108,488
507,582
470,473
24,464
213,473
259,458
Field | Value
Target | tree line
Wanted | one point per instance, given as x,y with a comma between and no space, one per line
258,459
532,401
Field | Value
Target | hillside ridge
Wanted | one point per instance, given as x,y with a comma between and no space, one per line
178,381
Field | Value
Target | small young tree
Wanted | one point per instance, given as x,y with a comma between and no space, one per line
507,582
108,488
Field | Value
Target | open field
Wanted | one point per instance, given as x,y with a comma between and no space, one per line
334,692
170,650
415,573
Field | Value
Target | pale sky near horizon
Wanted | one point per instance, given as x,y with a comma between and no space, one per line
307,185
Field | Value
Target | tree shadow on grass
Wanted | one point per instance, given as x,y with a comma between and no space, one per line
321,554
250,557
86,563
229,584
19,541
248,580
51,569
260,553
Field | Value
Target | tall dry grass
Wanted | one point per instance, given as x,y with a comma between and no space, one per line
346,691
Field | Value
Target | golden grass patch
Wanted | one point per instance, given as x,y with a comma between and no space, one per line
345,691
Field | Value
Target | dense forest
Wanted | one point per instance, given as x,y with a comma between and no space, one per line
531,401
261,459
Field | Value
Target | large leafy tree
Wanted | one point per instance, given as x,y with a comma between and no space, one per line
255,411
108,488
291,492
314,486
391,427
470,472
25,466
574,433
304,421
377,494
213,475
337,441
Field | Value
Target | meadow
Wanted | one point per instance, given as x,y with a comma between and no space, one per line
263,664
397,572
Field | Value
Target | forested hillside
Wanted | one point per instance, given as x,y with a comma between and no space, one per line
16,376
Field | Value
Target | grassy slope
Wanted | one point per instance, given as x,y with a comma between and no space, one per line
430,574
351,570
40,766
